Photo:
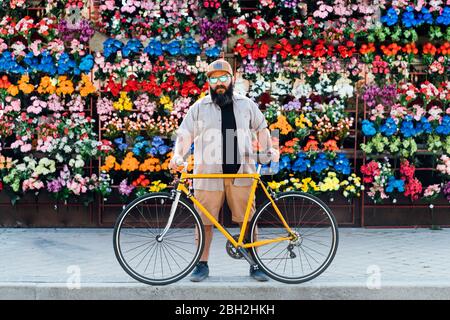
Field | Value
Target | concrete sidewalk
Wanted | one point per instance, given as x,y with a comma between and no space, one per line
369,264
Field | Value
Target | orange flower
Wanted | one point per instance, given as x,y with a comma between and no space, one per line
24,86
391,50
13,90
65,86
86,86
150,164
130,163
330,145
367,48
46,86
311,145
429,49
410,48
282,124
110,163
444,49
292,142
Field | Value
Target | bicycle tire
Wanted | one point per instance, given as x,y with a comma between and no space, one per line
333,245
118,247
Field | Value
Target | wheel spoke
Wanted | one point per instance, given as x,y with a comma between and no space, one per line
314,225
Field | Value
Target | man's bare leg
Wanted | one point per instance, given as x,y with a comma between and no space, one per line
208,239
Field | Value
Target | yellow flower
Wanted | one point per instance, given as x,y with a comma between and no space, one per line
157,186
124,102
274,185
301,121
166,102
330,183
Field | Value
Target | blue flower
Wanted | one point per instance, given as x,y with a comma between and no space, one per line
368,128
389,127
407,127
408,18
9,64
31,61
111,46
444,127
271,168
191,47
157,141
213,52
47,64
65,64
444,17
425,16
132,46
393,184
424,126
321,163
301,164
120,144
285,162
87,63
173,47
390,18
342,164
154,48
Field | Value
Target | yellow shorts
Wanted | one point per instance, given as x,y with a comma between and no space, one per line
237,198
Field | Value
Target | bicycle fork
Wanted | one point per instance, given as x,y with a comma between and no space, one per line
160,237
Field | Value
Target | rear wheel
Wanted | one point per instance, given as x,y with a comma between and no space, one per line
311,253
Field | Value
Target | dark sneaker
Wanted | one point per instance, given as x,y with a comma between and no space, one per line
257,274
201,272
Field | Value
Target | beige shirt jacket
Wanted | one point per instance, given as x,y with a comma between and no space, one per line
202,125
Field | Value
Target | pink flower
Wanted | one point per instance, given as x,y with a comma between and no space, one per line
25,148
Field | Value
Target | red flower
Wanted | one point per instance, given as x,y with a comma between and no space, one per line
113,87
131,85
407,170
413,188
241,48
370,171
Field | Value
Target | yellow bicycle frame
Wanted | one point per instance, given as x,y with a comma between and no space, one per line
256,179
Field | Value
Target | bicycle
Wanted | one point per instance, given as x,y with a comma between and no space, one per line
166,225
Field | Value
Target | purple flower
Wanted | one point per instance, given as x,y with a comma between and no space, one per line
54,186
125,189
292,105
216,29
374,95
446,190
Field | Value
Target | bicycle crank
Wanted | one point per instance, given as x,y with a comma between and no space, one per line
232,250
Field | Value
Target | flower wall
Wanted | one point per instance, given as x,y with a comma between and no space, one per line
357,90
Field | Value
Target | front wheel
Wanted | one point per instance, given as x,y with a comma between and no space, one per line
316,242
140,251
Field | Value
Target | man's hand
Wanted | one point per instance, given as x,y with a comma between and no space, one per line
274,154
175,162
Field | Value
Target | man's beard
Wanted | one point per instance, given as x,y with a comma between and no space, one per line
222,99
